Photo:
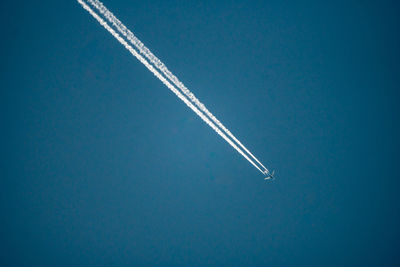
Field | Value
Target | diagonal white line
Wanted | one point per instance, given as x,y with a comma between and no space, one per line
164,81
162,68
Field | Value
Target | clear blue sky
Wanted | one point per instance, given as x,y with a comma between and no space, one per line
102,165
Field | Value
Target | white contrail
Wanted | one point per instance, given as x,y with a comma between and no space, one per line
163,80
161,67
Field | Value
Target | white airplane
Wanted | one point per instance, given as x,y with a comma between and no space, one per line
269,175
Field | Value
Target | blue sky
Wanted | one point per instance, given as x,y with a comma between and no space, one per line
103,165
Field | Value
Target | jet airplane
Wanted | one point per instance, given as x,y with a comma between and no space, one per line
269,175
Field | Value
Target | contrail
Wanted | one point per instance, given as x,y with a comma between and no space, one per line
161,67
165,81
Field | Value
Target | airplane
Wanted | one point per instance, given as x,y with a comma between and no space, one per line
269,175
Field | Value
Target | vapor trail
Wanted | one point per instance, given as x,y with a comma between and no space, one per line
161,67
163,80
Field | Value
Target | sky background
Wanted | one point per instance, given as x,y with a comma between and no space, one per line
103,165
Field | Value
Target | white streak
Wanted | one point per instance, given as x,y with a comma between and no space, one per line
161,67
163,80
